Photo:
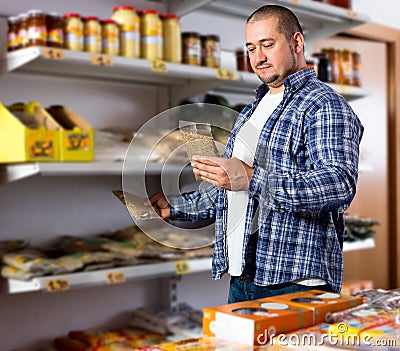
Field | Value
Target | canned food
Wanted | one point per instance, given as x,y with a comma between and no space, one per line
191,48
210,50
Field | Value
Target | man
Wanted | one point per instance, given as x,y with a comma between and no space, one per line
289,171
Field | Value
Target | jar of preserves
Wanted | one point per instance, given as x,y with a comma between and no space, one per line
110,36
129,24
191,48
333,56
37,30
243,61
151,40
324,67
91,34
356,58
12,33
345,67
346,4
55,32
210,50
23,30
172,38
73,31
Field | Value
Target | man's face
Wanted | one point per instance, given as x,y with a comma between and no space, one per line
271,56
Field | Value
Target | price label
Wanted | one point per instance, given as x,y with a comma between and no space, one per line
158,66
59,284
115,277
225,74
53,54
351,14
182,267
102,60
295,2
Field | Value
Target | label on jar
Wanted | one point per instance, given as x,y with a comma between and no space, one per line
130,35
152,40
111,42
12,40
55,36
37,33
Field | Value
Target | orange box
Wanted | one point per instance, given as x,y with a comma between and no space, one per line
254,322
321,303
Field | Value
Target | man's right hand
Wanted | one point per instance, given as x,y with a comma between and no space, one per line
160,202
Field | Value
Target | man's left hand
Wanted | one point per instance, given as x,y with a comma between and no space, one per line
226,173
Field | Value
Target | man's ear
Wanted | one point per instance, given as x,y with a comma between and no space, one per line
298,40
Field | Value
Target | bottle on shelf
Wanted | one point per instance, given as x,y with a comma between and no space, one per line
172,38
151,40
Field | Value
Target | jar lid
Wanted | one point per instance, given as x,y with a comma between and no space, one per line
147,11
69,15
124,7
190,34
13,19
169,15
35,12
90,18
210,37
54,14
108,20
22,16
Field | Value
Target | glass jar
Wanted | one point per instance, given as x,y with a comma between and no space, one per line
12,33
110,36
345,67
55,32
356,58
333,56
151,40
23,30
191,48
346,4
129,23
324,67
243,61
210,50
37,30
172,38
91,34
73,31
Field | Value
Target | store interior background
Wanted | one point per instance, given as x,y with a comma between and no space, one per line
41,208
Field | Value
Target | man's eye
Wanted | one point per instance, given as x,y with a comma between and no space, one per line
250,49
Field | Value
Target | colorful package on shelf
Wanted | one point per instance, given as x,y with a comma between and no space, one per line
321,303
76,135
27,134
254,322
352,287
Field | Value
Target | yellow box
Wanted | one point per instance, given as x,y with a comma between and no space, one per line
27,133
76,135
253,322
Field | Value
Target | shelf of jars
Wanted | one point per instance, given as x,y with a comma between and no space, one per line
318,19
119,275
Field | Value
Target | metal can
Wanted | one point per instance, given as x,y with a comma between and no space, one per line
129,23
151,40
210,50
110,36
172,38
55,33
92,34
73,31
191,48
37,30
12,33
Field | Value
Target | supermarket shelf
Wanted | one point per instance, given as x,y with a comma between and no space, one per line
359,245
319,20
102,277
14,172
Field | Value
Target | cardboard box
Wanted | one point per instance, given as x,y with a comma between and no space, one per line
27,133
321,303
76,135
254,322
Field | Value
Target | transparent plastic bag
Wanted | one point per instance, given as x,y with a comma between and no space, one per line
198,140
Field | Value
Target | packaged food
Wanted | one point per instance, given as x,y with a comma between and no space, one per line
92,34
29,260
151,38
55,32
12,33
172,38
210,50
191,48
96,338
198,140
135,205
110,36
37,30
73,31
23,31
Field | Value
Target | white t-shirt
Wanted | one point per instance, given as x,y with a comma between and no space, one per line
244,149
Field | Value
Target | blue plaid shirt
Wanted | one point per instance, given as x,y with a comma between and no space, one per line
305,175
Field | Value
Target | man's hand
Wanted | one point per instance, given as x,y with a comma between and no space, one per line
226,173
160,203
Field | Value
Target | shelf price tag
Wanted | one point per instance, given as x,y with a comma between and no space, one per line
225,74
182,267
351,14
158,66
59,284
115,277
295,2
53,54
101,60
